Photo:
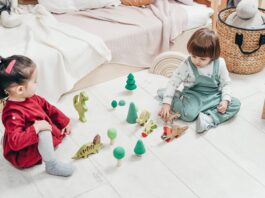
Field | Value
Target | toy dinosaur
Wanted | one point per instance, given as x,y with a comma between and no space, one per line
143,118
148,128
80,105
170,133
89,148
173,116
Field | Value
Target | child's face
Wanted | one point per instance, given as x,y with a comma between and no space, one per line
200,61
31,86
20,92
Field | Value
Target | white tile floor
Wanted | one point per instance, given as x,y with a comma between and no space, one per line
226,162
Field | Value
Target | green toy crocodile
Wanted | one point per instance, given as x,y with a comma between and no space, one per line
89,148
143,118
80,105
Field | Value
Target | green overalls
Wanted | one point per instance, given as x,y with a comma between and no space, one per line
204,96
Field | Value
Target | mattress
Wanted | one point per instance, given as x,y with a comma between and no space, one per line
139,34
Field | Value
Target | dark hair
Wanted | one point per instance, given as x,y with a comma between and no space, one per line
5,6
20,73
204,43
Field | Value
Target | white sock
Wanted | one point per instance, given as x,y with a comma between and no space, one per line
46,150
204,122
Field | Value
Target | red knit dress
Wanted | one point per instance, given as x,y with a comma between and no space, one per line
20,146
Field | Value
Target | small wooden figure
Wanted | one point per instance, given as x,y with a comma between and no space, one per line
143,118
130,83
148,128
173,116
173,132
263,112
139,148
119,153
114,104
89,148
132,114
112,134
80,105
122,103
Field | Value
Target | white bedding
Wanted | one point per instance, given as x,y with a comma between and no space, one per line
136,37
62,6
198,15
63,53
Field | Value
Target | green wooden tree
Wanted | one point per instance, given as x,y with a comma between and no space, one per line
119,153
80,105
114,103
139,148
130,83
132,114
112,134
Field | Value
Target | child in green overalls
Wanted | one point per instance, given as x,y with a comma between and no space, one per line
206,95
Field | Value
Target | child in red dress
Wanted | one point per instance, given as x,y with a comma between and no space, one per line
33,127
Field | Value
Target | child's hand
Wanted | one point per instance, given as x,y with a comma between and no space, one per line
222,106
42,125
66,130
164,112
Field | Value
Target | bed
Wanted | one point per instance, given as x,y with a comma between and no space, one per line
133,48
128,52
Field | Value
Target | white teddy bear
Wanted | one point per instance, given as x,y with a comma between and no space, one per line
247,16
8,17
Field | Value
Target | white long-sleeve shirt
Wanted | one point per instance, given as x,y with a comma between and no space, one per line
184,74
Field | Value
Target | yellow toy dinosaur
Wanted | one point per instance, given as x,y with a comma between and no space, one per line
89,148
80,105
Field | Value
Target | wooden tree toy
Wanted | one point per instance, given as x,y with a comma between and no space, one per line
119,153
173,132
89,148
143,118
80,105
122,103
132,114
139,148
130,83
114,104
112,134
148,128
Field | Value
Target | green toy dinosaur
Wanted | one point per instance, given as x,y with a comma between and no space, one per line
80,105
89,148
148,128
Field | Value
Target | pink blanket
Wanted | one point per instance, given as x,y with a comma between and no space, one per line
135,35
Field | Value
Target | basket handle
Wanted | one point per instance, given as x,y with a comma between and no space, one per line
239,42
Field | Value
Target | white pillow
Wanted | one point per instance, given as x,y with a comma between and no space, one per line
62,6
187,2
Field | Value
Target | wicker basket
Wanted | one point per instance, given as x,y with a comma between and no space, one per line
242,49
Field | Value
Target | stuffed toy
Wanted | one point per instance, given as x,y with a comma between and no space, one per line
7,10
247,16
